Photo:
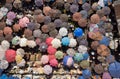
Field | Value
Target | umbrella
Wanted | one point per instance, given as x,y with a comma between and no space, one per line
7,30
95,18
10,55
74,8
59,54
23,42
106,10
44,59
110,59
51,50
58,22
78,32
82,22
86,6
105,40
85,64
63,31
47,69
56,43
39,3
16,27
65,41
45,29
85,56
81,77
98,69
1,70
4,64
73,42
43,47
4,76
49,40
78,57
82,49
106,2
71,52
5,44
86,73
114,69
15,40
84,13
53,63
11,15
106,75
76,16
51,57
68,61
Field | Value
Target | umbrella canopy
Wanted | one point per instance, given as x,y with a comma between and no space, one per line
106,75
86,73
4,64
85,64
1,70
49,40
78,32
71,52
53,63
56,43
73,42
114,69
78,57
59,54
68,61
65,41
10,55
47,69
105,40
4,76
51,50
44,59
81,77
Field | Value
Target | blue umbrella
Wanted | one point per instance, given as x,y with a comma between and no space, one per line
105,40
1,70
66,59
10,77
85,56
81,77
106,2
110,59
4,76
65,41
16,78
27,78
114,69
86,73
78,32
